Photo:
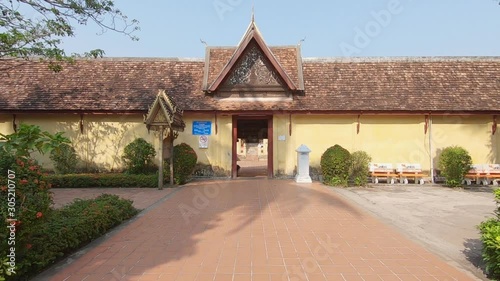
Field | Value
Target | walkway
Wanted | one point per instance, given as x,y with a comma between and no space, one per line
256,230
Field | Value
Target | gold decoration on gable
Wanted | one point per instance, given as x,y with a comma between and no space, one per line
253,70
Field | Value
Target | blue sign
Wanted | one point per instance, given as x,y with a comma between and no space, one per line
201,128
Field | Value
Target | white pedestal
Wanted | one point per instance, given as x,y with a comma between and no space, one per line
303,165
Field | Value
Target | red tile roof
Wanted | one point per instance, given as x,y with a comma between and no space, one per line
333,85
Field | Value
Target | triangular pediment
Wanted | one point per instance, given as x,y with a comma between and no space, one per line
253,71
164,112
252,65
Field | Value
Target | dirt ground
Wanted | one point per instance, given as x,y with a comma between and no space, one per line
443,220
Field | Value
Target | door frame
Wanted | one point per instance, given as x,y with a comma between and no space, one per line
270,143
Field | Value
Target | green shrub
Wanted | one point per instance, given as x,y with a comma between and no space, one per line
71,227
335,163
359,169
30,205
64,158
490,236
7,161
104,180
184,162
30,138
454,163
25,198
138,157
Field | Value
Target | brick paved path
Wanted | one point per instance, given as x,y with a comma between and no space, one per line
256,230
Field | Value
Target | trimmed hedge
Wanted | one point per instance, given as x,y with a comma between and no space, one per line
138,157
184,162
70,228
103,180
335,164
454,163
490,236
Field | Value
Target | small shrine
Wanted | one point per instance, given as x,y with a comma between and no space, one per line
165,117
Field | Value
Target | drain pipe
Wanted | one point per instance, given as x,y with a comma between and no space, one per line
430,148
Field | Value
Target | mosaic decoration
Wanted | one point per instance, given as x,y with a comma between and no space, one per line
254,70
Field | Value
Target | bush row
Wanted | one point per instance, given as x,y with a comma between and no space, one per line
103,180
340,167
69,228
138,157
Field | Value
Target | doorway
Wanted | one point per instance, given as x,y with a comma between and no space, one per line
252,146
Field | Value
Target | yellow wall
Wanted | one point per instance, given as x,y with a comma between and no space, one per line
319,133
6,124
103,139
394,139
386,139
470,132
390,139
219,151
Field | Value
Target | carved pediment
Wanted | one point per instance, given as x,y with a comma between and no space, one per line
164,113
253,71
252,68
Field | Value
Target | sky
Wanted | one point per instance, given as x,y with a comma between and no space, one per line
334,28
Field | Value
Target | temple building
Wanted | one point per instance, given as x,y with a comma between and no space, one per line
255,103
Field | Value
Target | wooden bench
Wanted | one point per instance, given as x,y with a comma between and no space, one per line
412,171
493,174
478,173
382,171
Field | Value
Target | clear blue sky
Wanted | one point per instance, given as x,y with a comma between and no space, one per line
332,28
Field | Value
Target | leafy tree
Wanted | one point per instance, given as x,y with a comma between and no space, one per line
35,27
30,138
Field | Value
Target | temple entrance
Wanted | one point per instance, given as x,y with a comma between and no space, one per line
252,146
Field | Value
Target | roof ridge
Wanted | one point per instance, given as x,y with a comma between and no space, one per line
403,59
118,59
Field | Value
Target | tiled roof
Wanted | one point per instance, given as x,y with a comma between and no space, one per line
339,85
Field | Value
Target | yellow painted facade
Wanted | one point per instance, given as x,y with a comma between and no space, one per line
101,144
219,151
474,133
388,139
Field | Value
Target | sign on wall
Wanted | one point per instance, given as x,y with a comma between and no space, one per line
201,128
203,142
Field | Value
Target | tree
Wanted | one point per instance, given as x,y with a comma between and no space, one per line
30,138
40,34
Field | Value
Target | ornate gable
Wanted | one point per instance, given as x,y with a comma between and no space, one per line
252,71
164,112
